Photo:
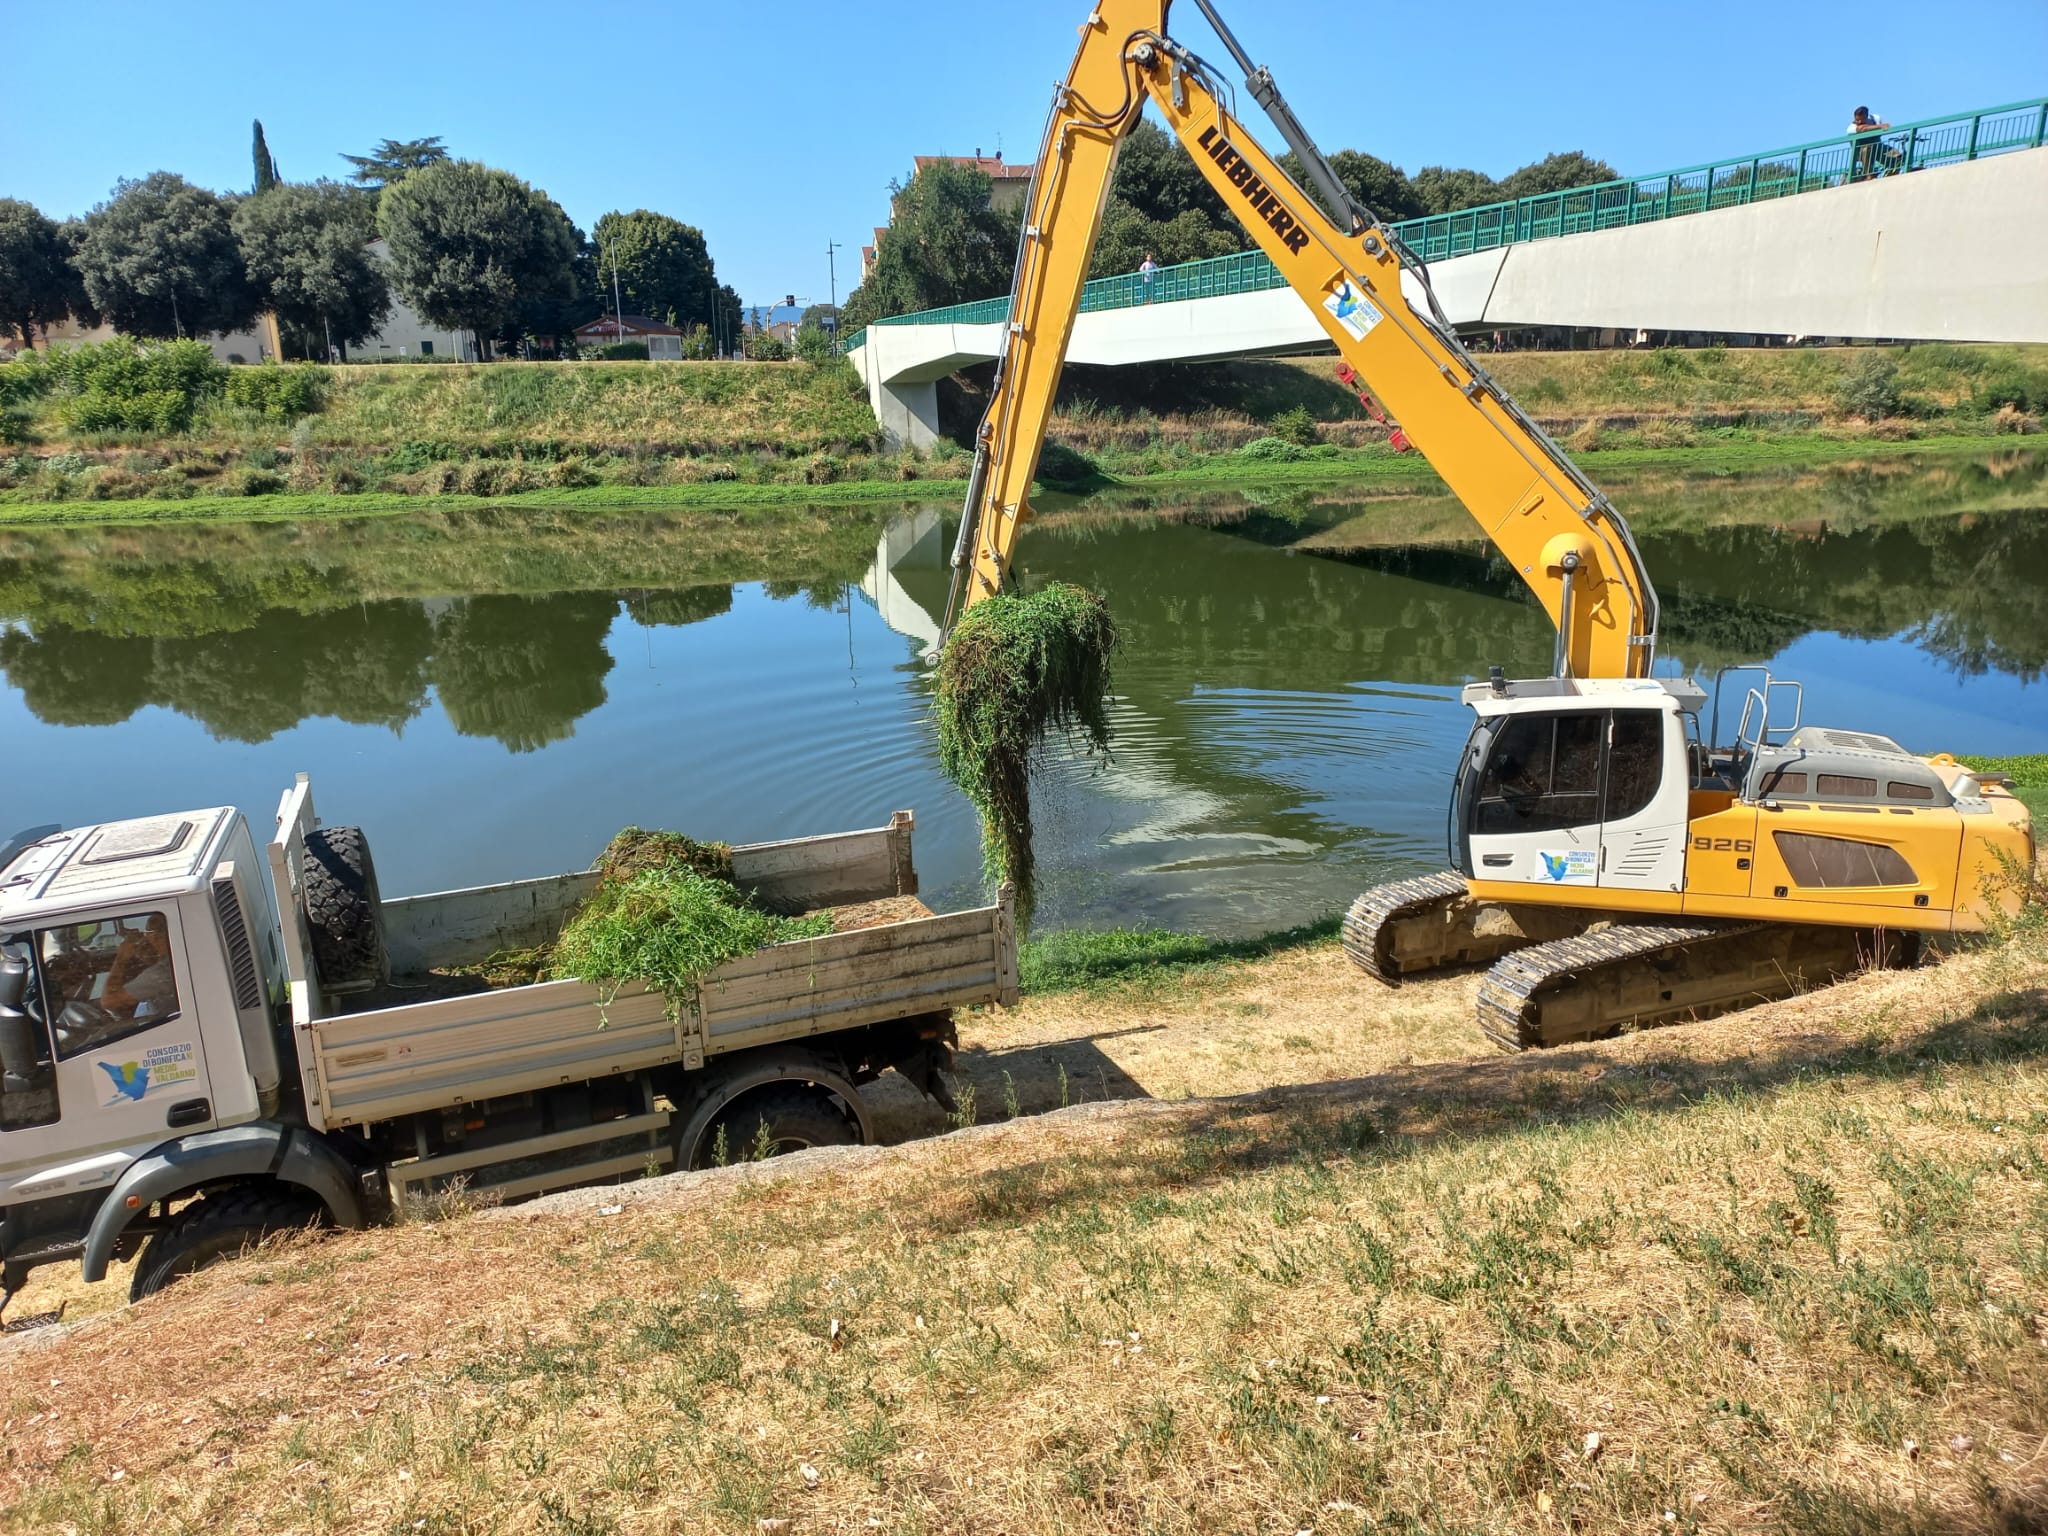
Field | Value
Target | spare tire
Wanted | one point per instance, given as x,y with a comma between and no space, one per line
344,914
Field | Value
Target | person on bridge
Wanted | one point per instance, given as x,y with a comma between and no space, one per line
1864,129
1145,270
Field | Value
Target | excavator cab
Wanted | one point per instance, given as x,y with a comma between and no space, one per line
1577,783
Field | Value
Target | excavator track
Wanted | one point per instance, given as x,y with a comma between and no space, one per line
1638,975
1375,920
1431,921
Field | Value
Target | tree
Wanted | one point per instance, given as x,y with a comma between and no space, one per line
159,259
306,249
944,245
1557,173
1160,204
266,167
36,279
665,269
1159,180
395,159
1128,237
1443,190
471,245
553,312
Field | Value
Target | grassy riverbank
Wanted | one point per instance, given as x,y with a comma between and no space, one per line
1322,1266
1280,467
716,434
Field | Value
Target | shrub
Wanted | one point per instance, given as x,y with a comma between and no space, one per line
24,379
2008,418
16,430
620,352
2010,384
279,394
254,482
173,483
1060,467
1298,427
118,386
1869,388
1272,450
571,474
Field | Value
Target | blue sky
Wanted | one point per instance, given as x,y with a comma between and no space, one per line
778,127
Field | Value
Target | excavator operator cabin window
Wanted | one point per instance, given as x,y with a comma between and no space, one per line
1635,762
28,1070
1543,774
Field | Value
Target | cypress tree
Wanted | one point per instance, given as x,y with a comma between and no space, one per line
266,168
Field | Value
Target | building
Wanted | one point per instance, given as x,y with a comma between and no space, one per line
664,341
405,334
1009,186
255,345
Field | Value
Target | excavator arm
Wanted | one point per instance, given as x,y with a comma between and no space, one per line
1572,548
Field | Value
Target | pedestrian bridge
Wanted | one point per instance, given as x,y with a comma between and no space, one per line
1931,231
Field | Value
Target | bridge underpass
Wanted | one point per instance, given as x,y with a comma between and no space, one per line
1935,232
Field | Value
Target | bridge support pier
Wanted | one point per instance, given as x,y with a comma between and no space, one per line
908,411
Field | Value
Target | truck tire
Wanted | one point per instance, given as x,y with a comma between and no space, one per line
344,914
220,1226
797,1119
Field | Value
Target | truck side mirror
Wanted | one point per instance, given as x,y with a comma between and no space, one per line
18,1058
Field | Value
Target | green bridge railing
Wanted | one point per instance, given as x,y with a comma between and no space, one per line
1776,173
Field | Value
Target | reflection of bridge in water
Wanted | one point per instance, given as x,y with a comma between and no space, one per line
914,543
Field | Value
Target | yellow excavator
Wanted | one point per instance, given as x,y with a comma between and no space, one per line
1618,863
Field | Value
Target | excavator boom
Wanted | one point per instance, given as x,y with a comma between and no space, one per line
1564,539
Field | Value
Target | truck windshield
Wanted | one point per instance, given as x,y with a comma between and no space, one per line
28,1073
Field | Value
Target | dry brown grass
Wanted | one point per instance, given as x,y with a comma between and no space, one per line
1779,1263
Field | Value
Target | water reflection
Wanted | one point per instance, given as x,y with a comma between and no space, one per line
505,689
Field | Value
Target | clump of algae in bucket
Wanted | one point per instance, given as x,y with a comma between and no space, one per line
1015,669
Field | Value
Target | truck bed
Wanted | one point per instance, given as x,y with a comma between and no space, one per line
364,1067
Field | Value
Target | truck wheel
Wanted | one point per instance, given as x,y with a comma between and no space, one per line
343,911
216,1227
795,1119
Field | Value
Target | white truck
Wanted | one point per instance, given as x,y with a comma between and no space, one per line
201,1042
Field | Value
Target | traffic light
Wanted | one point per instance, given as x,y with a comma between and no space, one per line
790,301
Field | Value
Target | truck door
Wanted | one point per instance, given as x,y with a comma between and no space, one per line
131,1068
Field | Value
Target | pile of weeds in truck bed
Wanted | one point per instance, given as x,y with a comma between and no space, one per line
636,850
1014,669
665,911
669,926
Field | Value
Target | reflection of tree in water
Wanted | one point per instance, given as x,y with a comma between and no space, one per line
76,677
1965,588
364,665
826,596
519,670
687,605
522,670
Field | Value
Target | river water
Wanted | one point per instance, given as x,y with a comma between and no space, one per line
491,695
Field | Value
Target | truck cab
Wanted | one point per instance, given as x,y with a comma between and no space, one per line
141,990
